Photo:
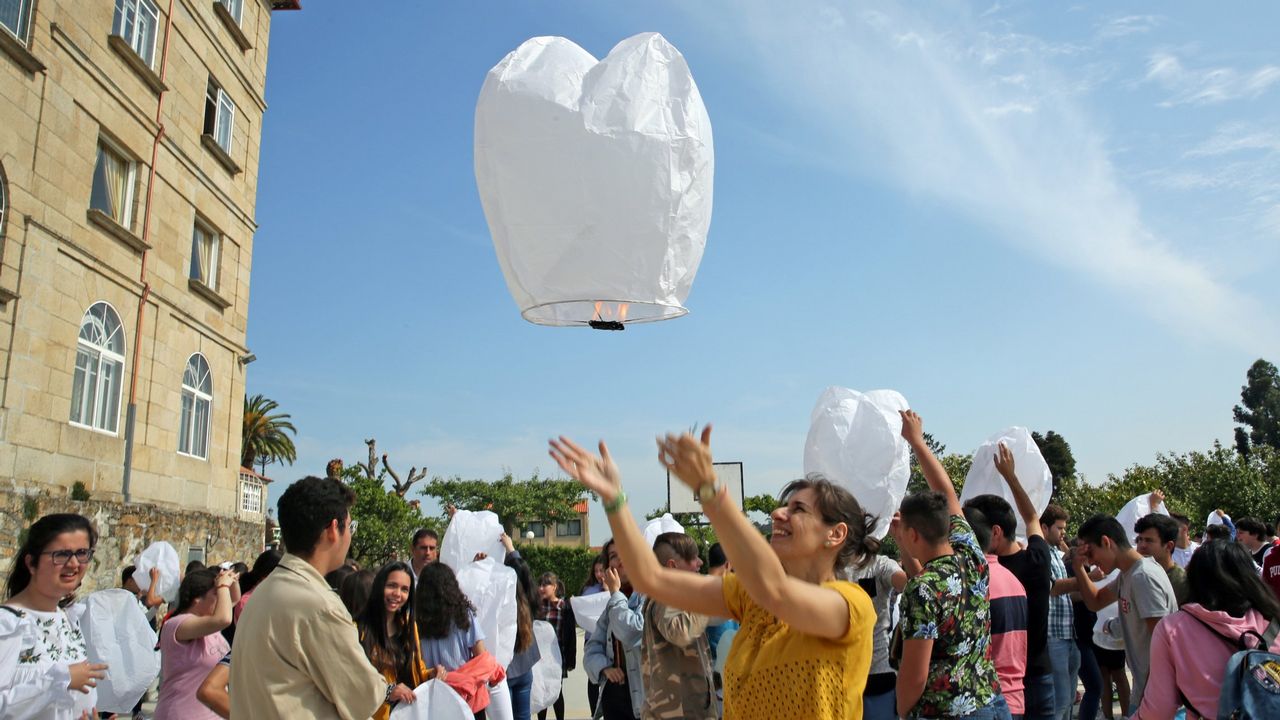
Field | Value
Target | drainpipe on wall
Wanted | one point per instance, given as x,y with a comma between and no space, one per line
131,413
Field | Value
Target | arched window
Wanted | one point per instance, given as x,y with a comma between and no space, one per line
197,398
99,375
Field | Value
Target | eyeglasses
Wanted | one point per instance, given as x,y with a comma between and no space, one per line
60,557
352,526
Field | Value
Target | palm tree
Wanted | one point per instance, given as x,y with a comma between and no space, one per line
264,437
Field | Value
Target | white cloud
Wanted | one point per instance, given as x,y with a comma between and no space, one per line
1207,86
933,116
1128,25
1018,108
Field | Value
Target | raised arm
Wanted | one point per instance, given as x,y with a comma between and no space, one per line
197,627
598,473
1030,518
153,598
934,473
808,608
1094,598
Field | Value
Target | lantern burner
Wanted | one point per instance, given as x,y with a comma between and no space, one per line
606,325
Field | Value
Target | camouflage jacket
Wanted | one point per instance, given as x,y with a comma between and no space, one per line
676,663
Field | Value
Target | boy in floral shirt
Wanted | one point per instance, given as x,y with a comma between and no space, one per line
944,669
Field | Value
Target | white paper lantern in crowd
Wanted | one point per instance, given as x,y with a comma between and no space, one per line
1029,465
491,588
435,700
659,526
596,180
547,678
1135,510
469,533
855,440
162,556
587,609
117,633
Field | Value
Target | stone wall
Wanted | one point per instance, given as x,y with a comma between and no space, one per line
125,530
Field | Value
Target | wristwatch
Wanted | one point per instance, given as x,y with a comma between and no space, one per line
708,491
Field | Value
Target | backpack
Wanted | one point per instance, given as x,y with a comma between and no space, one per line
1251,682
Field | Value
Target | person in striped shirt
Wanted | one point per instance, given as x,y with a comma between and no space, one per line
1008,618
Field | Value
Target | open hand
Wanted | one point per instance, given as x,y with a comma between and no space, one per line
612,583
85,675
597,473
1157,497
1004,462
688,458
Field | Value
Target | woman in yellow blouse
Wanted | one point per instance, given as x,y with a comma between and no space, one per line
389,635
805,643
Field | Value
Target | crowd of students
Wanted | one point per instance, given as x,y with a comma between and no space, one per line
990,611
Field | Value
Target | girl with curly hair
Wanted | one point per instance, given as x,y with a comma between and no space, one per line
446,619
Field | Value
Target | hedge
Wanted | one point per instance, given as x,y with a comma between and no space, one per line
572,564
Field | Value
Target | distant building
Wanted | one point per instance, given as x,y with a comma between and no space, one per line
567,531
128,180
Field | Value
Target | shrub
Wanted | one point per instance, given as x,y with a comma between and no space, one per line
571,564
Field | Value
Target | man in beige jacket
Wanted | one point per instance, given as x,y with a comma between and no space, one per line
297,653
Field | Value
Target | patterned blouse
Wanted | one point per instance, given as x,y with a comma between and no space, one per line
36,650
947,603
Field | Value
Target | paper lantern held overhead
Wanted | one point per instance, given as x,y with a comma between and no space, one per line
1029,465
855,440
1136,509
596,180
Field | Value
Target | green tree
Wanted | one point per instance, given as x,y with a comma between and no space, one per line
264,435
1195,484
514,501
1057,454
1260,409
956,465
387,521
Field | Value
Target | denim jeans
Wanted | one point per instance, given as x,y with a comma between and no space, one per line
997,709
880,707
1091,676
1065,657
1037,693
519,687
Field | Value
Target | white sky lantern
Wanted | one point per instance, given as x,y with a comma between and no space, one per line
855,440
596,180
1028,463
1135,510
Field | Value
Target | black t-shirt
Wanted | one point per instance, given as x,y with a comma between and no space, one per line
1032,568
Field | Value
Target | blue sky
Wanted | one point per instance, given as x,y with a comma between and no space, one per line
1063,217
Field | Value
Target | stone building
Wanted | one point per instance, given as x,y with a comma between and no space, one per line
129,146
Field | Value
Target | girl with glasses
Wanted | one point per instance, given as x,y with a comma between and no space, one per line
44,669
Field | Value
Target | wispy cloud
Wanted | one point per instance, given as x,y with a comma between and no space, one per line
1127,25
938,116
1207,86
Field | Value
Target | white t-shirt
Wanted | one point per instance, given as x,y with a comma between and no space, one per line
877,580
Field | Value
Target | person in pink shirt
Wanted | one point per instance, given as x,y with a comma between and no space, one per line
191,643
1190,648
1008,600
